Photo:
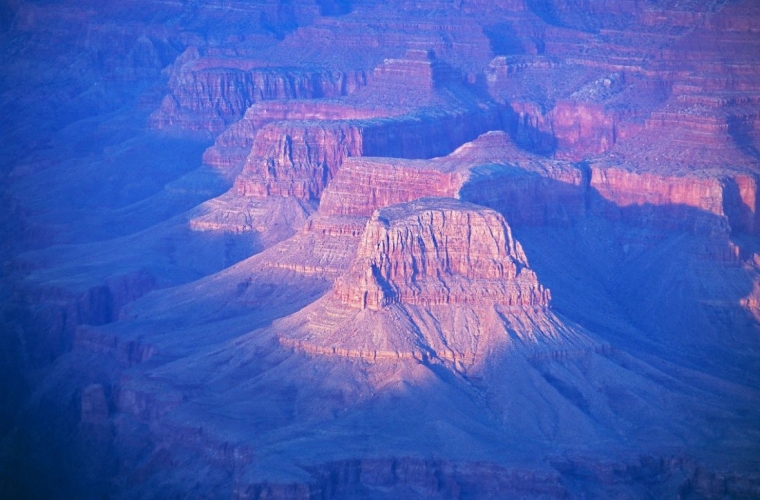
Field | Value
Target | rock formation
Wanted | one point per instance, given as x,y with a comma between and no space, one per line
491,171
452,260
210,97
435,251
295,148
364,249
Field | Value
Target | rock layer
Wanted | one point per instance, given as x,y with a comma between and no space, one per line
439,251
694,202
147,341
208,94
299,159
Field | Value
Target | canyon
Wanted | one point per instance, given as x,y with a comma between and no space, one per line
359,249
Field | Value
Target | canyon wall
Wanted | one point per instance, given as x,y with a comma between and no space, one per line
300,159
438,251
361,285
209,94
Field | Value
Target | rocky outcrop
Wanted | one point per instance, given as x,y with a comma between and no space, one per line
389,306
300,158
61,310
566,478
208,94
418,70
435,278
431,478
232,147
269,220
407,110
490,171
694,202
367,184
567,122
439,251
126,352
297,159
582,129
532,190
324,247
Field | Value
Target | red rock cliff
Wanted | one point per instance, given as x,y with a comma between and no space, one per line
210,94
300,158
439,251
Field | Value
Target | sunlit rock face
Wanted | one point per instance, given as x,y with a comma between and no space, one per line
434,252
380,249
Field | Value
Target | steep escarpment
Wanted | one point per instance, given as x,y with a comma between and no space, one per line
490,171
300,159
298,147
638,76
232,147
432,278
295,148
531,189
696,202
208,97
438,251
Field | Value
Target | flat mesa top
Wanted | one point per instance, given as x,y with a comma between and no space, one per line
399,212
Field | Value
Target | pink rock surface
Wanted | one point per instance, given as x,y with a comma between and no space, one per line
732,198
438,251
210,94
300,159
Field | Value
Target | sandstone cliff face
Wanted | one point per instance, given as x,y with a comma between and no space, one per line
63,310
435,278
677,202
296,147
583,129
299,159
232,147
210,94
490,171
367,184
575,124
439,251
532,190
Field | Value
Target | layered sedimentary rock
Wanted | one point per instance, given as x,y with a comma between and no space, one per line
233,146
614,79
296,159
370,34
208,94
366,184
691,201
320,331
529,189
432,278
300,159
295,148
323,247
490,171
61,309
439,251
299,147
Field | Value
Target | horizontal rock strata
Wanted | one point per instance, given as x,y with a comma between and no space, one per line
439,251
